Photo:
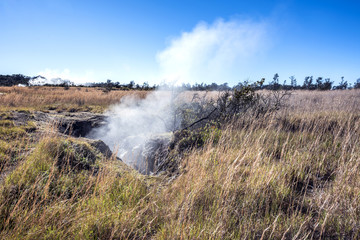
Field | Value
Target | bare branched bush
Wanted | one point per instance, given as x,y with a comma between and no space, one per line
230,105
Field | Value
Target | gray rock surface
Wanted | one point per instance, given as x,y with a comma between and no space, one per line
147,157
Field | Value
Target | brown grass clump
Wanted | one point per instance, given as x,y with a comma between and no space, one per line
294,174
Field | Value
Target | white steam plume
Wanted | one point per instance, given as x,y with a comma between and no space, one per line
212,53
208,53
133,122
50,74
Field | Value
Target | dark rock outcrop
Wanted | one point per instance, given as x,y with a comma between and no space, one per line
77,124
147,158
80,124
101,147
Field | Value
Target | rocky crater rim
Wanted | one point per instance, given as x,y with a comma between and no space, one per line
77,124
148,156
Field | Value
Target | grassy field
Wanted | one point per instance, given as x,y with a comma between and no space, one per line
57,98
294,174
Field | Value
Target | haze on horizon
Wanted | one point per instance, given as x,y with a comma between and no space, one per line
180,41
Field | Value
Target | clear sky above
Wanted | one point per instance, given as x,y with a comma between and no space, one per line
181,41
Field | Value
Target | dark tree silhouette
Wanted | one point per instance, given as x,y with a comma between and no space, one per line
342,85
357,84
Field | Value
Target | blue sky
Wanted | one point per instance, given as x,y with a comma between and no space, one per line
180,41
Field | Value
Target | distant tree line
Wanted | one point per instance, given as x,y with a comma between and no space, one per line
309,83
15,79
109,85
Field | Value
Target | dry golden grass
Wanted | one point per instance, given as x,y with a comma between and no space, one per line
292,175
320,101
57,97
270,183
